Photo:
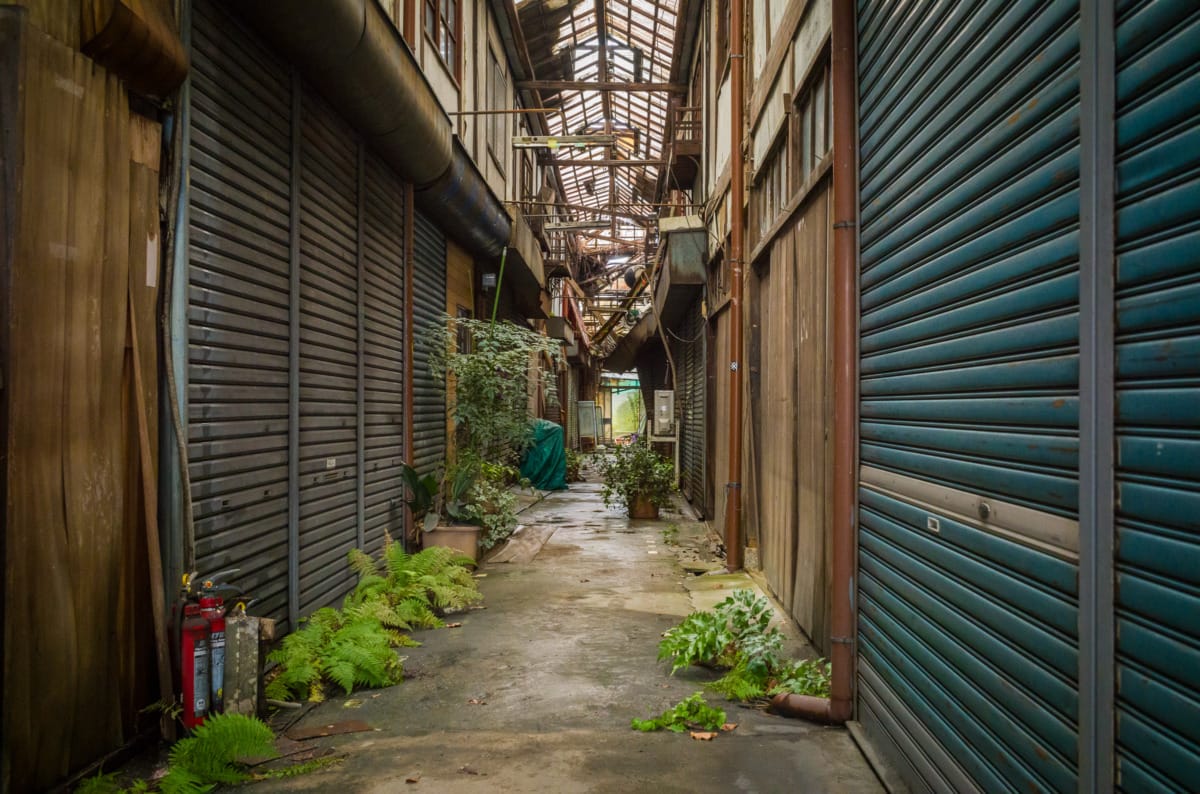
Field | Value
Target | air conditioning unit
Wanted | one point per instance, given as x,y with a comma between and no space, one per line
664,412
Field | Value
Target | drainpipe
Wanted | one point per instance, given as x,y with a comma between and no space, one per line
737,190
839,706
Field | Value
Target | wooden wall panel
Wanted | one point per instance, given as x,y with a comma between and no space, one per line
777,491
813,387
75,609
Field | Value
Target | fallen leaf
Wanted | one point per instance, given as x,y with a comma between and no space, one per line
454,625
704,736
477,702
729,726
352,703
413,778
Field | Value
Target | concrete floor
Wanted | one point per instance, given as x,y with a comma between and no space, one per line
535,692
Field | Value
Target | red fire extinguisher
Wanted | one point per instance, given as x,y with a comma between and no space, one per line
212,608
194,658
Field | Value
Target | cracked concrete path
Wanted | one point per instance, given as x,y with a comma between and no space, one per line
535,692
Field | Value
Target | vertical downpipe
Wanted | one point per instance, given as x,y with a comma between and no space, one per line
737,189
845,357
839,706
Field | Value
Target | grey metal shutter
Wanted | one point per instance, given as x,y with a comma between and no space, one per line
692,452
383,332
328,354
967,599
429,308
1158,396
238,336
572,408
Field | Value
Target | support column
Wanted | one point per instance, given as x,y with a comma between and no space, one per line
1097,108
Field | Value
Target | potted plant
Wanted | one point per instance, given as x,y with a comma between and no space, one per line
444,508
639,478
469,508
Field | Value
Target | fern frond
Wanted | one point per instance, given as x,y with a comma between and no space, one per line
211,754
362,564
183,781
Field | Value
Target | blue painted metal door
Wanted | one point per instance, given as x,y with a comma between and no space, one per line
967,596
1158,396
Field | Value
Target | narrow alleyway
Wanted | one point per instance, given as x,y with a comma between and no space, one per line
535,692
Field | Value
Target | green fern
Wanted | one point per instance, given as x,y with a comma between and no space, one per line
213,753
742,682
100,783
361,653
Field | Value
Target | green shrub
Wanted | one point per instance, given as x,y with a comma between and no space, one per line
692,712
737,636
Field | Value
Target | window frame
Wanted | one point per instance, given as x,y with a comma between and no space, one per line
443,30
499,124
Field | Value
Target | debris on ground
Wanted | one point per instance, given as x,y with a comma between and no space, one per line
330,729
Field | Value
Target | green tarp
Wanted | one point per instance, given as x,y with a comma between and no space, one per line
545,463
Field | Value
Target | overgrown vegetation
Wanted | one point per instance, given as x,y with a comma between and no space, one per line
354,646
737,636
213,755
691,712
574,465
637,470
493,367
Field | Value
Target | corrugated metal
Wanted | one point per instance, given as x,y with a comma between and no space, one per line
969,371
238,306
328,354
429,309
1158,396
383,334
572,408
693,381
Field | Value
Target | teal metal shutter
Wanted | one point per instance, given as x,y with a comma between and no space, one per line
238,298
429,309
383,336
1158,396
328,354
968,542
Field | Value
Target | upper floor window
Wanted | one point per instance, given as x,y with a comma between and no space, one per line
498,123
443,21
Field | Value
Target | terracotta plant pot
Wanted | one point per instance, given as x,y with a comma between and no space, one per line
463,538
641,507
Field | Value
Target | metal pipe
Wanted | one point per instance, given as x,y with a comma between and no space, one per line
351,52
737,167
839,706
845,357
